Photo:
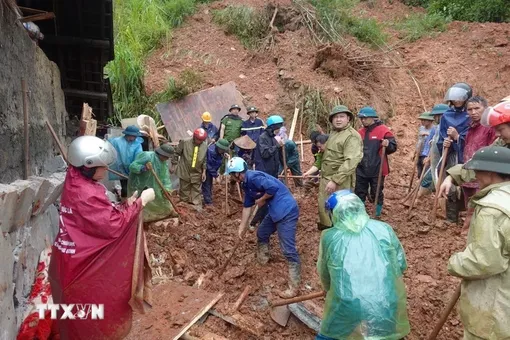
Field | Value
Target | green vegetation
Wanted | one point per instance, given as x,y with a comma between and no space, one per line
249,25
419,25
140,26
467,10
337,19
188,82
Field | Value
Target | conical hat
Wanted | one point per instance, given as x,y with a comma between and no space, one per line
245,142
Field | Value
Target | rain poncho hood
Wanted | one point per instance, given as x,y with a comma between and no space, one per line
361,263
126,154
140,177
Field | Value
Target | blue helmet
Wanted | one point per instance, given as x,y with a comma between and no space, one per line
439,109
275,119
367,112
236,164
334,199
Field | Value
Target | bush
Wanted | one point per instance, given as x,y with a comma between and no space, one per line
419,25
188,82
421,3
139,27
472,10
337,19
248,25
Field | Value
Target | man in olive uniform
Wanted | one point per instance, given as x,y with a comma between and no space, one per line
191,166
230,125
342,154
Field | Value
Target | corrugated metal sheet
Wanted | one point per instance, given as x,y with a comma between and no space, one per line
185,114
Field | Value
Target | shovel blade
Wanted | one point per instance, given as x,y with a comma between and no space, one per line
280,315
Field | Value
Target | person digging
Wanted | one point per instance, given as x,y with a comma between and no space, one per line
216,154
282,217
484,264
140,177
191,166
361,265
343,152
127,147
375,136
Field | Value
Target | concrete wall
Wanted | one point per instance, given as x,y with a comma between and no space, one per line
20,58
28,214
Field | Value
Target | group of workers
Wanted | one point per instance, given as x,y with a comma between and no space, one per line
360,303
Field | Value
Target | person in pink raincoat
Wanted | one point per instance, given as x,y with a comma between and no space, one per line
93,253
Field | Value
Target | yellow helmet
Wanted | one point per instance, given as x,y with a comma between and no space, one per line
206,117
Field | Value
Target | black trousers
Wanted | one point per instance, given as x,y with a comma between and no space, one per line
124,187
367,186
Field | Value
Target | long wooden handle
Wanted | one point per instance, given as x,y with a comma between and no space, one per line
297,299
414,171
445,314
416,192
439,182
167,195
379,178
238,243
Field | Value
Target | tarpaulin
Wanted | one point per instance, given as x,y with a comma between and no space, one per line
92,258
186,114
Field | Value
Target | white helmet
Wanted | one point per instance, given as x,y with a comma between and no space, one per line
91,152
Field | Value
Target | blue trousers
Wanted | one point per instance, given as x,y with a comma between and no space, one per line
286,229
323,337
207,188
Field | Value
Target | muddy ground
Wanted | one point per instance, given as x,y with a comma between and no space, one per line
476,53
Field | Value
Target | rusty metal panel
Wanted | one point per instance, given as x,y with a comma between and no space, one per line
185,114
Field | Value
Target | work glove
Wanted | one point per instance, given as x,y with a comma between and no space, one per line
147,196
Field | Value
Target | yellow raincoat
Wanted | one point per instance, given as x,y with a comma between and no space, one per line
484,266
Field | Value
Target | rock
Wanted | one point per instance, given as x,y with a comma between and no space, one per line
8,202
196,237
56,182
8,319
233,49
242,76
337,90
269,96
281,73
426,279
190,277
41,187
26,196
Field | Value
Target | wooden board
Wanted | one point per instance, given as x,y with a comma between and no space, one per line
176,308
186,114
293,125
88,125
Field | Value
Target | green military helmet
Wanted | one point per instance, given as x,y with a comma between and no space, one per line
439,109
165,150
223,144
490,158
426,116
340,109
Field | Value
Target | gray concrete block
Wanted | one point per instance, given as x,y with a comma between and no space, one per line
56,182
42,185
8,202
54,164
8,329
26,195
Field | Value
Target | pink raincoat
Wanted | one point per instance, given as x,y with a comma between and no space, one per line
92,258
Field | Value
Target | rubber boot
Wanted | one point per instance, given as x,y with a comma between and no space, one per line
321,226
378,210
452,206
294,281
262,253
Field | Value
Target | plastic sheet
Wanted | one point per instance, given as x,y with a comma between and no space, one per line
361,263
140,177
126,154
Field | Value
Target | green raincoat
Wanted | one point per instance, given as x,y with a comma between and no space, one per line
344,151
190,165
139,179
484,266
361,264
233,124
461,176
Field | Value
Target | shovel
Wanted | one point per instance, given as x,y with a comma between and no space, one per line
280,312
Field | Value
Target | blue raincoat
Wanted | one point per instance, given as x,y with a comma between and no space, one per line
459,119
252,129
211,130
361,263
214,160
126,154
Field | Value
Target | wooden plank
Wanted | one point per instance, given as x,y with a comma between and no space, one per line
293,126
175,309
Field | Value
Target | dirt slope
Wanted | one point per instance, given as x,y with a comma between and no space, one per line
476,53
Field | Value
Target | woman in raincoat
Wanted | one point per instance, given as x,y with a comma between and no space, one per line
361,263
140,177
93,254
484,264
